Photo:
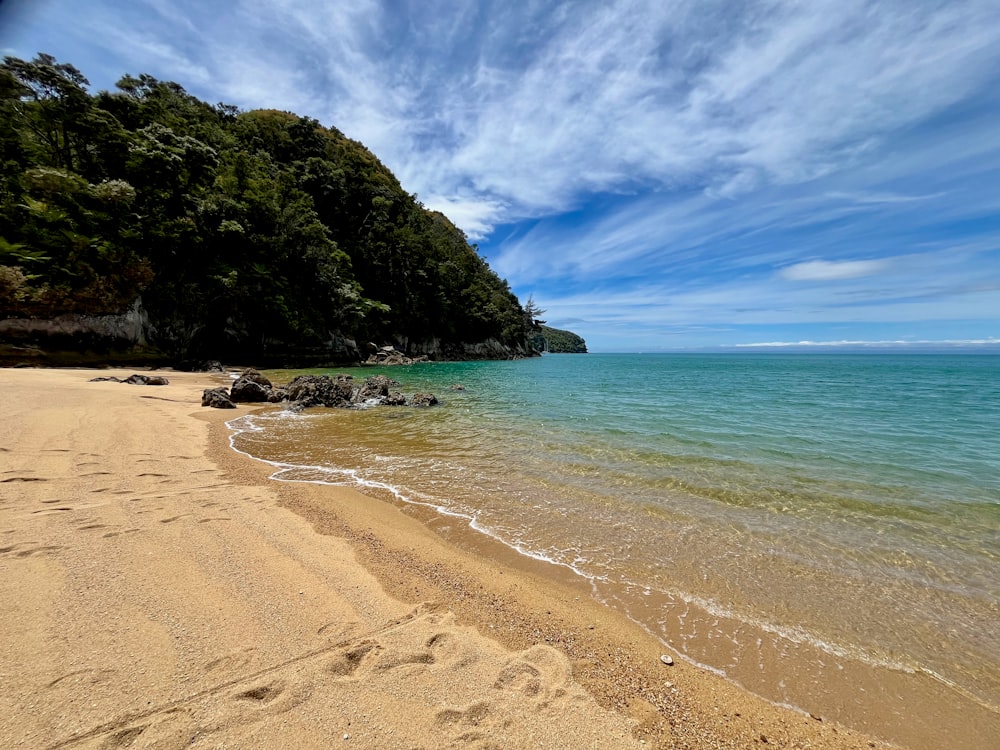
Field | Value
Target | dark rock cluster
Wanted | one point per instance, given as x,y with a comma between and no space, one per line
134,380
312,390
217,398
389,355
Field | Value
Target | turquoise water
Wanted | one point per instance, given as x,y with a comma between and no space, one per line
780,519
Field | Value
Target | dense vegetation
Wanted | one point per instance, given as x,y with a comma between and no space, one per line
556,341
242,233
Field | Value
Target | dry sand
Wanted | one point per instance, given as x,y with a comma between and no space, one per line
158,591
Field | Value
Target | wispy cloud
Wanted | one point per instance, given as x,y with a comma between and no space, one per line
825,270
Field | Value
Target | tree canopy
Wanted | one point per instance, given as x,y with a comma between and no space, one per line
241,232
556,341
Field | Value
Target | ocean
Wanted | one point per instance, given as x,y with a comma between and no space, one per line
822,529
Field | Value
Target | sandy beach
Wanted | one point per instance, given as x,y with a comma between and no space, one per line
159,591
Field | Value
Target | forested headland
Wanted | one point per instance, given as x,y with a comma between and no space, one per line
190,230
557,341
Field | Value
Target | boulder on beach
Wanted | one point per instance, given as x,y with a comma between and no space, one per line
217,398
134,380
319,390
146,380
250,387
255,376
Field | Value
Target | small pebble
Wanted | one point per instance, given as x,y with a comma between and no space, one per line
667,659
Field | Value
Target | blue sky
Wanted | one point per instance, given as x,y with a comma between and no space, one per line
658,175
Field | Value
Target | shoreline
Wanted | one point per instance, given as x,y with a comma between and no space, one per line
909,706
199,562
615,658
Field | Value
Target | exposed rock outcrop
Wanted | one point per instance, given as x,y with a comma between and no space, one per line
376,386
134,380
306,391
413,352
423,399
389,356
146,380
217,398
75,340
319,390
250,387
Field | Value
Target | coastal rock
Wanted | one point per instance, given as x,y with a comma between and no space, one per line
277,394
248,391
255,376
217,398
377,386
319,390
146,380
437,349
389,356
306,391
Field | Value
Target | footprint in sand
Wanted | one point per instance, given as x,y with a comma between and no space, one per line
47,549
540,673
394,658
231,662
268,699
30,551
338,631
111,534
522,677
349,660
449,650
263,693
83,676
474,715
124,737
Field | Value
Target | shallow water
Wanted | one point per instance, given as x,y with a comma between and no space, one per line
823,529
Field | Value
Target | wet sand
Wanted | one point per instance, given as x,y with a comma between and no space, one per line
160,591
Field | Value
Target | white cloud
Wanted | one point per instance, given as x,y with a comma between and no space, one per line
824,270
783,94
477,216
